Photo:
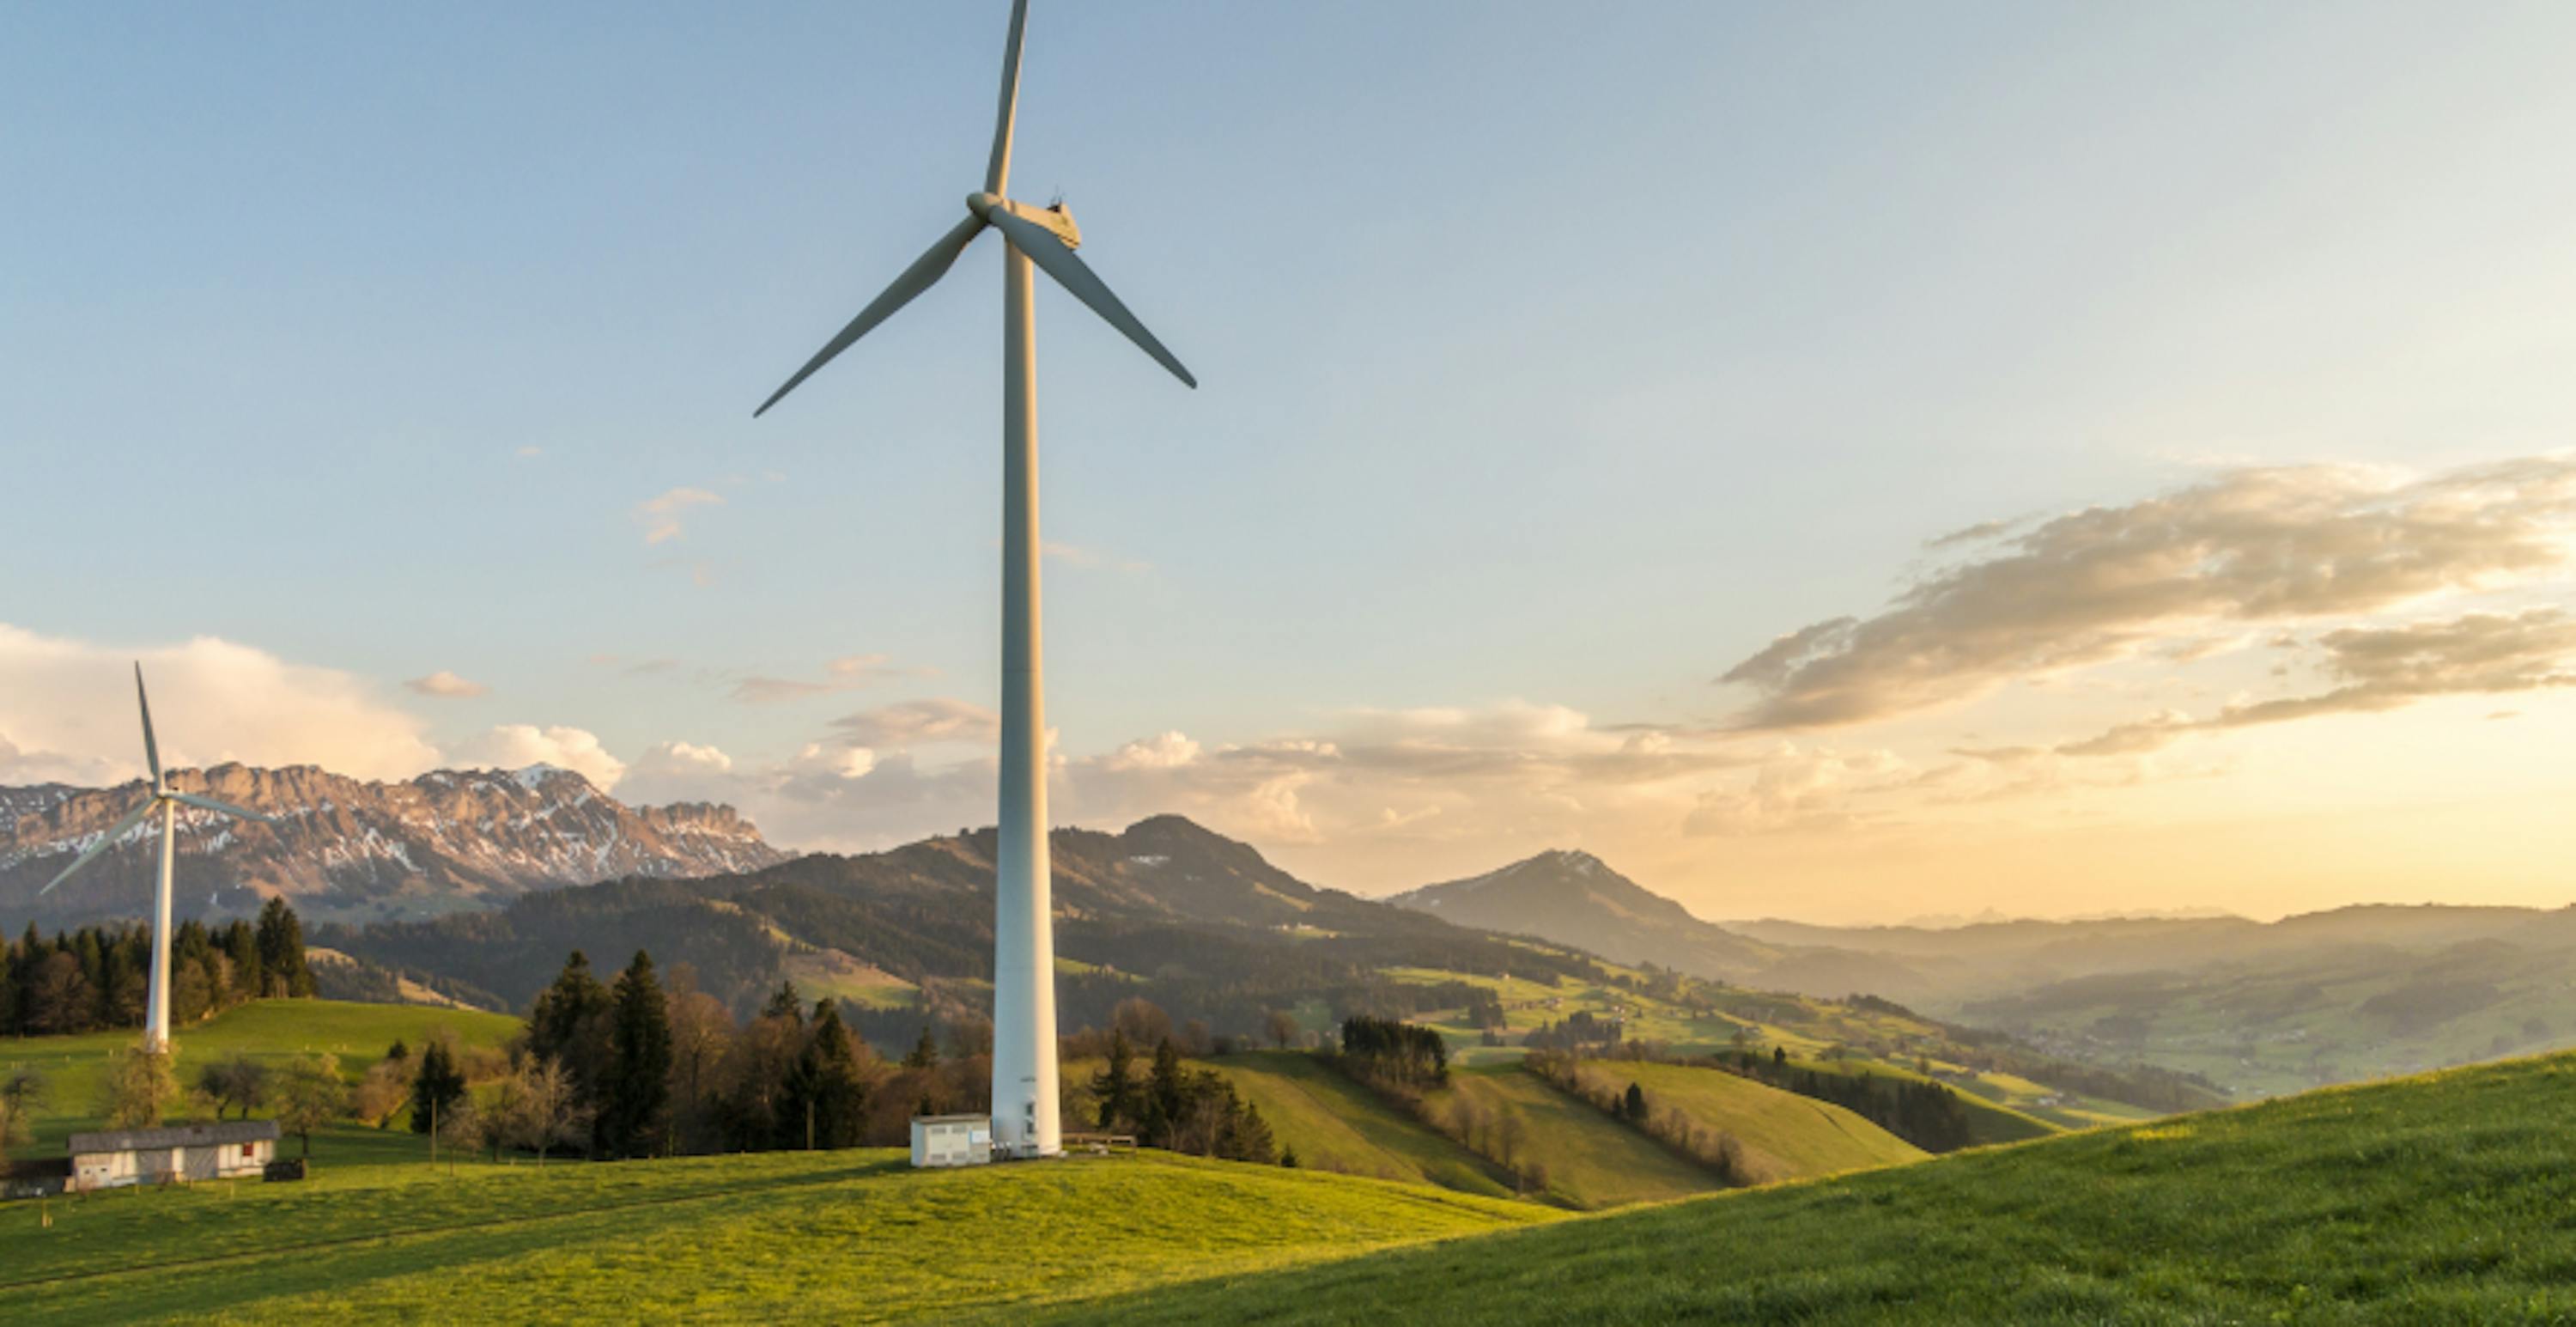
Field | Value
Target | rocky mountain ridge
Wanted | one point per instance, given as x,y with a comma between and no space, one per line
355,849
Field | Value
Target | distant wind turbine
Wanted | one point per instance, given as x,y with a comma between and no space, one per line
1024,1029
156,1028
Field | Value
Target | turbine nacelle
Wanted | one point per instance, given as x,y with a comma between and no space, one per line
1056,219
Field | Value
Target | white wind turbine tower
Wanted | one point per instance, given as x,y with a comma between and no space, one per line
1024,1028
156,1027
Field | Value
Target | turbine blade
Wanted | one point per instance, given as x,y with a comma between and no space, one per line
237,813
998,173
115,832
922,275
1070,272
151,749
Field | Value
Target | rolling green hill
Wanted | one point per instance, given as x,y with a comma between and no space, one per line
2435,1199
1337,1125
275,1031
1784,1135
1587,1159
840,1236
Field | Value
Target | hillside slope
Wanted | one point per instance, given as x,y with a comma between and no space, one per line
1578,1156
271,1032
1336,1125
1784,1135
2435,1199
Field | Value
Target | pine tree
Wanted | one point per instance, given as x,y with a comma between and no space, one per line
925,1052
281,951
1166,1095
568,1024
786,1004
250,976
1635,1105
1246,1136
1116,1085
638,1088
826,1097
437,1088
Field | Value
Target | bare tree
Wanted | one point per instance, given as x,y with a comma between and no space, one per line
309,1095
21,1092
538,1108
1281,1026
140,1086
1507,1139
701,1033
236,1081
383,1092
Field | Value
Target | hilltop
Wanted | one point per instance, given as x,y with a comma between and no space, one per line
1574,898
352,848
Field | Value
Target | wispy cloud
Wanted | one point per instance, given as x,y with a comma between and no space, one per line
661,516
848,673
446,686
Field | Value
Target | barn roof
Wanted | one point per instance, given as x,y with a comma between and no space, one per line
181,1135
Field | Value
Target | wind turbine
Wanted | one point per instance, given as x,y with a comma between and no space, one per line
156,1027
1024,1029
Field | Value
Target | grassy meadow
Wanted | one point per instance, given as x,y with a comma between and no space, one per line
844,1236
1590,1160
2442,1199
273,1031
1784,1135
1336,1125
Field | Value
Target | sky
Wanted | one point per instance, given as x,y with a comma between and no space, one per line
1839,462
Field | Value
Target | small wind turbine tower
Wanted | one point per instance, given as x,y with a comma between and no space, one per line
156,1026
1024,1029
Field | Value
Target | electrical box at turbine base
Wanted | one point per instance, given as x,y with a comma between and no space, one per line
952,1140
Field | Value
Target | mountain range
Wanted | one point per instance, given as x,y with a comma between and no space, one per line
352,849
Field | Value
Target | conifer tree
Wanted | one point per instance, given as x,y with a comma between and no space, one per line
925,1052
281,951
785,1004
826,1099
437,1088
1166,1095
638,1088
568,1024
1115,1086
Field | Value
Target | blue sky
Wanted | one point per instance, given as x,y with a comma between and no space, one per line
1554,356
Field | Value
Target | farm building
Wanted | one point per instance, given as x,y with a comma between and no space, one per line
952,1140
173,1155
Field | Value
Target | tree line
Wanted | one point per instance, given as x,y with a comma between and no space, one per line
98,977
1927,1115
1180,1109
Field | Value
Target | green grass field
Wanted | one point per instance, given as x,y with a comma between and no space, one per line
1784,1135
2443,1199
1591,1160
274,1031
1337,1125
842,1236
